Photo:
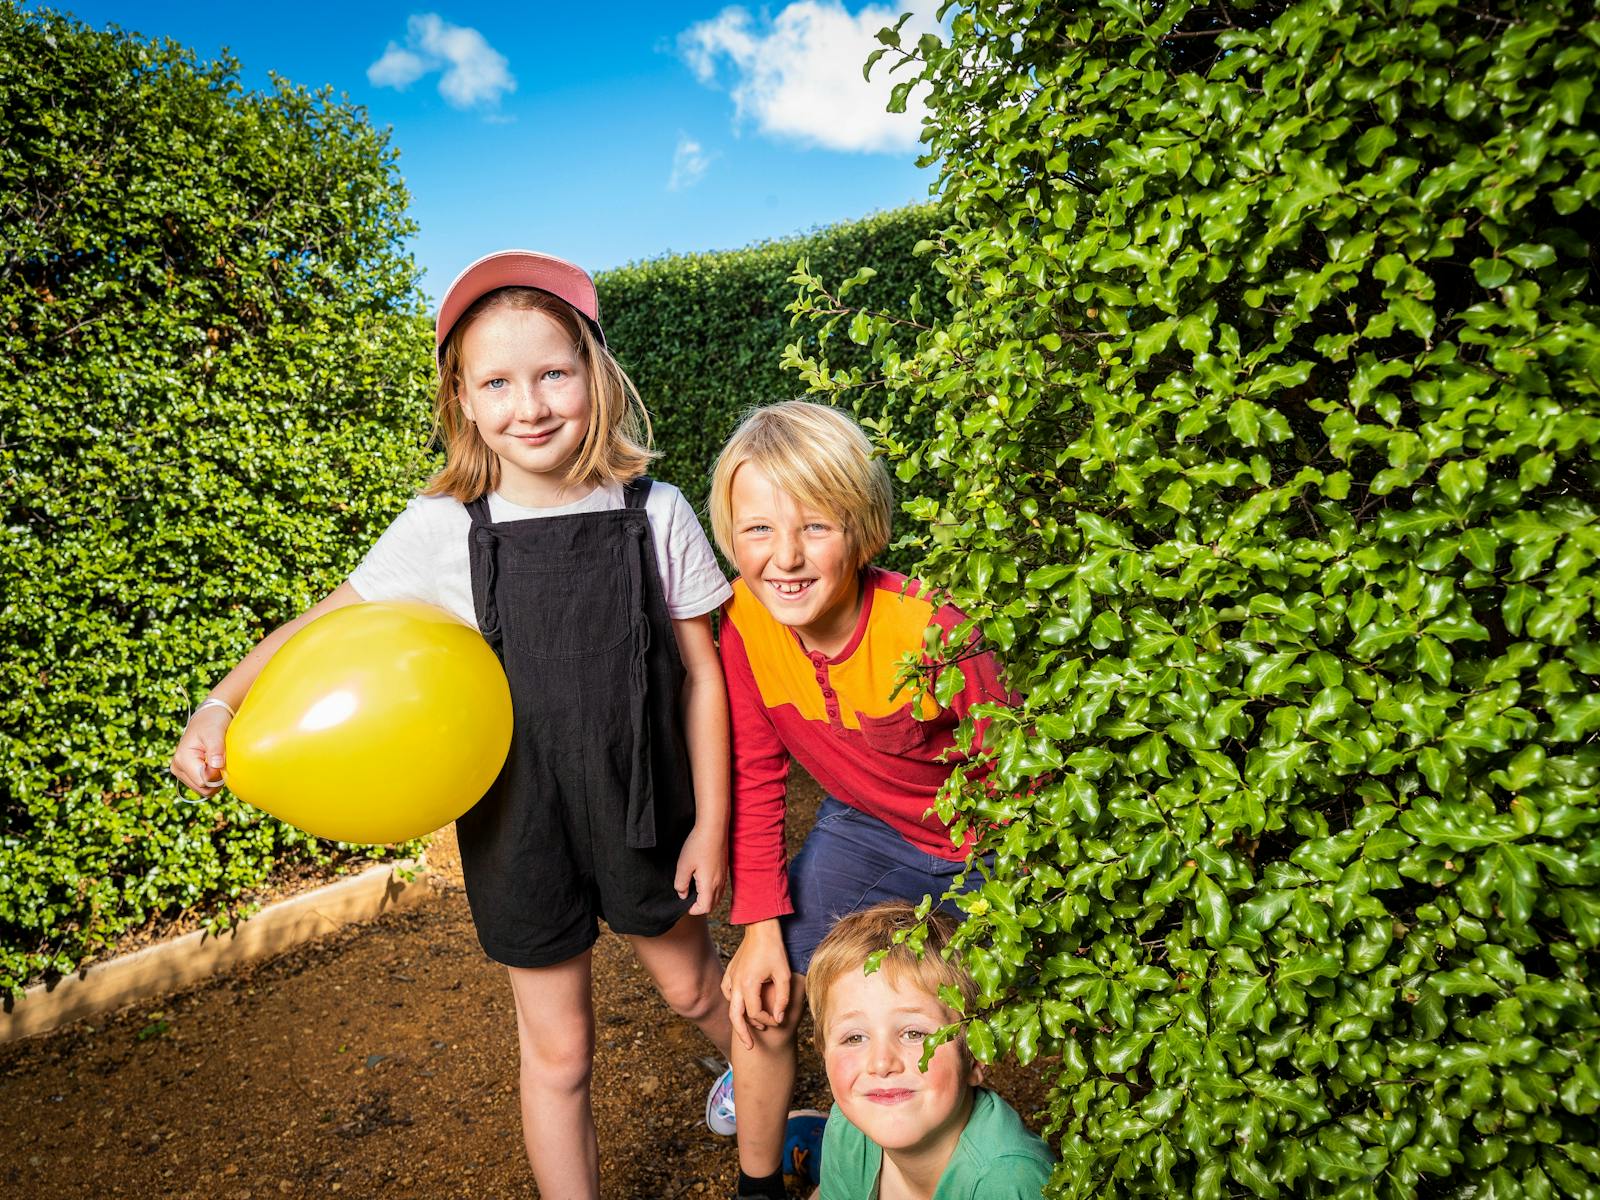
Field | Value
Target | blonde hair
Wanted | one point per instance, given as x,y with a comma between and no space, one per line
821,459
616,448
862,934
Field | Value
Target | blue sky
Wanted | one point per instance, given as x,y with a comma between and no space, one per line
605,135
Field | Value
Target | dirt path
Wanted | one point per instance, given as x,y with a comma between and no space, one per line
380,1061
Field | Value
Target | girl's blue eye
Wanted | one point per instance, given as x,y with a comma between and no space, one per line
555,373
495,385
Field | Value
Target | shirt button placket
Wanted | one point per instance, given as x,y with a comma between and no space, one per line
829,698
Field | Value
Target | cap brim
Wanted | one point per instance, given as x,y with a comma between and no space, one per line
517,268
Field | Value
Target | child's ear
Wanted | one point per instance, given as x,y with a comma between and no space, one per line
975,1072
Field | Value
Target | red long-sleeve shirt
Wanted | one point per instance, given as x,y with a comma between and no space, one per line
843,720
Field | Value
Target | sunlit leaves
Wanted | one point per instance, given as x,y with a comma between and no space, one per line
1301,497
215,395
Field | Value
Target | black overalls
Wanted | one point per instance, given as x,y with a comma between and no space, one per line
595,798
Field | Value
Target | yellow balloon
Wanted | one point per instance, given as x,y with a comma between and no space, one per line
375,723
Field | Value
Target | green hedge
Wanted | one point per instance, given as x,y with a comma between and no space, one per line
1265,445
212,397
703,334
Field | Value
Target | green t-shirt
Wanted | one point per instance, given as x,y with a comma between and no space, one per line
996,1158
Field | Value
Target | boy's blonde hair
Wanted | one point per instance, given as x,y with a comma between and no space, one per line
858,936
617,446
821,459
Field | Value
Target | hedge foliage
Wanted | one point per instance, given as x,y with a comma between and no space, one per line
1264,451
213,394
703,334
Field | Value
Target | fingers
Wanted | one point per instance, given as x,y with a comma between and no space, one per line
736,1019
755,1008
198,767
703,898
681,880
780,997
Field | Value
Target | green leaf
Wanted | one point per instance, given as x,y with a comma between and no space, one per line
1413,315
1212,904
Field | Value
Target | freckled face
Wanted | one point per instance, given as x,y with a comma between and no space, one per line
872,1051
523,385
796,560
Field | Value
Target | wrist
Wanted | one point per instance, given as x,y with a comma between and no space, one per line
211,702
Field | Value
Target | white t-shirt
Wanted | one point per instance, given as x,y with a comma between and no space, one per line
423,555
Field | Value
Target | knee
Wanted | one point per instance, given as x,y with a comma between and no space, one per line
775,1041
556,1061
693,999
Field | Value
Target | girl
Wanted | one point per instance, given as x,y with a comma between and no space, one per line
595,587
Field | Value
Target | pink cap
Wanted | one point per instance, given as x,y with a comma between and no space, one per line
518,268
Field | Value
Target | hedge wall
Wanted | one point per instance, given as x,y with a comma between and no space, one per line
703,334
1265,452
212,397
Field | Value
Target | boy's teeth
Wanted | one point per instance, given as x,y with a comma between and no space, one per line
788,589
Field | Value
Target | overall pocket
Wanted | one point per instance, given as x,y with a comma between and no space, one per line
565,606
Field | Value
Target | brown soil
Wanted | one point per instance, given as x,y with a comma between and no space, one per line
379,1061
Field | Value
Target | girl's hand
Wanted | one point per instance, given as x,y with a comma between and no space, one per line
703,861
757,981
198,760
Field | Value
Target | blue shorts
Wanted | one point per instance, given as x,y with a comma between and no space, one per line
852,861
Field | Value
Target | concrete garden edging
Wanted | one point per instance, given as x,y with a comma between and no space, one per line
168,966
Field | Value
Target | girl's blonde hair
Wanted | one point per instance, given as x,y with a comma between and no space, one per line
617,447
857,937
821,459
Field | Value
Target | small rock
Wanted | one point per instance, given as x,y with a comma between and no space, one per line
231,1170
285,1186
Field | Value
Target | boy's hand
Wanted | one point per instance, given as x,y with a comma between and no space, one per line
198,760
703,861
757,982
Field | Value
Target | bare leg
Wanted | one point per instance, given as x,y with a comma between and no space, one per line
763,1085
555,1033
687,970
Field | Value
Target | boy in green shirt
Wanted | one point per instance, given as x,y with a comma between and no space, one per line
897,1132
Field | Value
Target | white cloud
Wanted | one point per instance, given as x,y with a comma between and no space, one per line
689,163
473,73
398,68
799,76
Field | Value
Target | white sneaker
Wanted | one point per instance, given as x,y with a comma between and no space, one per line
719,1106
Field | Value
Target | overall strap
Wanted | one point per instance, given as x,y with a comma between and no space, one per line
485,567
634,493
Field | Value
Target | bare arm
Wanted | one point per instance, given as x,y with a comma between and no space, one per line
704,857
199,757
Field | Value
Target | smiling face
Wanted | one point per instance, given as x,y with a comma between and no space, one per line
872,1049
523,385
796,560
